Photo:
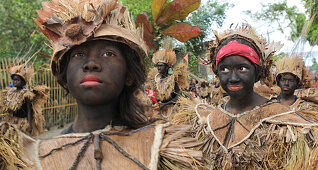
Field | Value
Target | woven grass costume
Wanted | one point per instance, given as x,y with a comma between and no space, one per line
269,136
307,98
71,22
165,87
13,102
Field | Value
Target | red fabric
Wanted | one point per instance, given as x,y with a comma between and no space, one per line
152,95
316,85
235,48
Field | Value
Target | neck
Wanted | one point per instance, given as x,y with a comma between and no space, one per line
287,99
239,104
94,117
164,75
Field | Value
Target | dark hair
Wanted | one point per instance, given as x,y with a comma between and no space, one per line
131,112
245,41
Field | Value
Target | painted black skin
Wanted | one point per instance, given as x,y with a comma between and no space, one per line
288,83
239,71
99,106
26,110
163,70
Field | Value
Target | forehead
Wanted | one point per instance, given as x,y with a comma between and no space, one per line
289,76
235,60
16,77
161,64
97,44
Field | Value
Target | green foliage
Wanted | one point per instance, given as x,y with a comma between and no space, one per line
18,31
135,7
204,17
314,66
279,13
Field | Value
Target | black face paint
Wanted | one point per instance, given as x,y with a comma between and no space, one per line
288,83
96,73
163,68
237,76
18,82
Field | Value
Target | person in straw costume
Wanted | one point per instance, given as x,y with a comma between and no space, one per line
167,86
204,91
291,74
98,57
249,131
22,106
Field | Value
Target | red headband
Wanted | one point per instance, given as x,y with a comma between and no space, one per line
235,48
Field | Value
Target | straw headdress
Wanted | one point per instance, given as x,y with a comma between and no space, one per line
294,65
72,22
21,70
246,32
166,54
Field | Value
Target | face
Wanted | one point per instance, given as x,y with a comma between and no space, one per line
96,73
237,75
288,83
18,81
162,68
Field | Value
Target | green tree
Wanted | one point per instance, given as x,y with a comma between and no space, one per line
18,31
290,17
213,13
135,7
314,66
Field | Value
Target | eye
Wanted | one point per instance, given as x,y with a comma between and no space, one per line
108,54
243,69
225,70
78,55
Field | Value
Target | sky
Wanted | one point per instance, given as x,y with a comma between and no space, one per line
236,15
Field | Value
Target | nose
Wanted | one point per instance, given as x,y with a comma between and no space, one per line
92,66
234,78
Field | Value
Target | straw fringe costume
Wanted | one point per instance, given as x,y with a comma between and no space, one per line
269,136
13,102
161,146
307,99
165,88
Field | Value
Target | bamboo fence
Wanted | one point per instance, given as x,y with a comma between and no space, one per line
59,109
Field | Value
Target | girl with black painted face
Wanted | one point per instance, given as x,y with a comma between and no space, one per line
248,131
102,68
291,74
22,106
237,74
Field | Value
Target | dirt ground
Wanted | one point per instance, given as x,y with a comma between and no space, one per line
54,131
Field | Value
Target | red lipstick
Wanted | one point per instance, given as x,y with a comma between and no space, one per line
90,80
234,87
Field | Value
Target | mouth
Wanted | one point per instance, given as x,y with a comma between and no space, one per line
90,80
286,88
234,87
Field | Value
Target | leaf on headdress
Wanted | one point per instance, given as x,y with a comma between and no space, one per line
157,6
142,19
182,31
176,10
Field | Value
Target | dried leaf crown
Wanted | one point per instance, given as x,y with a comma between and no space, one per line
246,32
166,54
67,23
294,65
22,69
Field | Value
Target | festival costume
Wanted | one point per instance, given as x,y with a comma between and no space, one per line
165,88
269,136
150,147
205,92
13,102
307,98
